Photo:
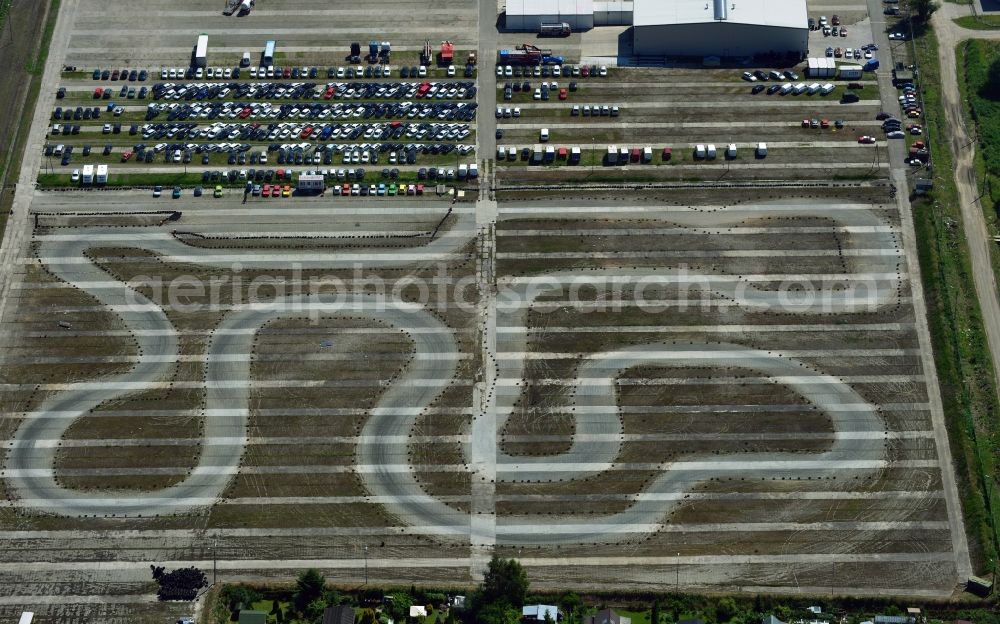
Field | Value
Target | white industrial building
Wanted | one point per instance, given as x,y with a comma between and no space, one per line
726,28
529,15
680,28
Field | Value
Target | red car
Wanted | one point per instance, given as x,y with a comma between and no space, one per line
98,92
346,190
245,113
306,132
329,93
585,71
266,191
866,140
563,93
126,155
287,72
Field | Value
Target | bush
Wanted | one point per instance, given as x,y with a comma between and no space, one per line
182,584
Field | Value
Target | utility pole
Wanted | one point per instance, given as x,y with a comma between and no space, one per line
677,574
366,563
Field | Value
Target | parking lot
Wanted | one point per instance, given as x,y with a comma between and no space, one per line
720,377
374,120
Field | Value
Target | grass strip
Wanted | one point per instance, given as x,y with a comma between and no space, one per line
962,358
978,22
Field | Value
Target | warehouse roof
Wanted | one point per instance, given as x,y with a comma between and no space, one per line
550,7
781,13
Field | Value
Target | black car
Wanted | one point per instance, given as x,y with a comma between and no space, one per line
773,89
106,74
107,150
143,75
97,74
757,89
499,133
86,150
61,93
133,75
404,72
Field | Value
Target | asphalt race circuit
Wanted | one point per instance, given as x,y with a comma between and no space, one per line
384,437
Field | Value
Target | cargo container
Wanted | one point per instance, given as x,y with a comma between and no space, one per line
447,52
574,155
612,156
850,72
311,183
268,53
710,152
201,51
102,174
88,174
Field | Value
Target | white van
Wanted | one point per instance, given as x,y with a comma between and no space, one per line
731,151
827,88
800,88
543,134
761,150
814,88
786,88
612,155
699,151
711,152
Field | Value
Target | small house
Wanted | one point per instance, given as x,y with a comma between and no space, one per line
418,611
538,613
340,614
607,616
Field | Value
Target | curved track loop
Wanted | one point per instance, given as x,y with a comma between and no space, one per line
383,442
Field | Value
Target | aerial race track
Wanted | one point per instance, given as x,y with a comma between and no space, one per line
596,445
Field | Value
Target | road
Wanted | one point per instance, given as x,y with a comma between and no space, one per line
899,176
963,149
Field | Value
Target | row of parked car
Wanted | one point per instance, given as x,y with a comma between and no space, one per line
426,131
446,111
796,89
314,91
580,71
763,76
113,75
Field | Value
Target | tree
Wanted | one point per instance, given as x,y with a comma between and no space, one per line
308,587
505,579
654,613
726,609
368,617
314,610
399,605
923,9
501,612
235,595
279,615
571,604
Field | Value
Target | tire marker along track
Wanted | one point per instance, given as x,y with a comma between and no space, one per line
383,439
